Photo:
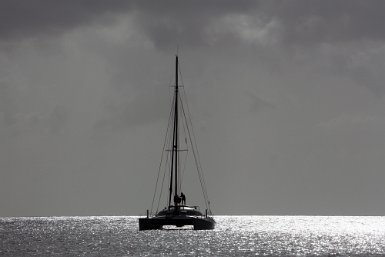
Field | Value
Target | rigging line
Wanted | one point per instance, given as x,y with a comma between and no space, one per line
181,175
195,147
160,164
166,167
164,176
204,190
162,155
200,171
185,159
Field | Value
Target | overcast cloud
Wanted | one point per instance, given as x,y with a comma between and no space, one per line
287,99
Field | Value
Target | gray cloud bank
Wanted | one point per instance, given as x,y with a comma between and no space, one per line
287,96
20,19
294,22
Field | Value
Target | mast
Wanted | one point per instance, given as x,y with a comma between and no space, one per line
176,126
175,144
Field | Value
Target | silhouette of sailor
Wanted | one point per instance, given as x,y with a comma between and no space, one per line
183,197
177,199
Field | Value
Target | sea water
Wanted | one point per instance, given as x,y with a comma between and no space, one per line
233,236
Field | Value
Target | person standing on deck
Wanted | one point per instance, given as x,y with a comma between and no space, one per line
183,197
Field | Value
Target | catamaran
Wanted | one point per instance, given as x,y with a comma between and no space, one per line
176,212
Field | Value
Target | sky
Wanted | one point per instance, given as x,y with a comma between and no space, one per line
287,100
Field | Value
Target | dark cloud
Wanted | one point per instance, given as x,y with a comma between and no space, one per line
296,22
19,19
195,23
169,23
329,21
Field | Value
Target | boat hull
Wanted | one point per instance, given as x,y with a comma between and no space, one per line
204,223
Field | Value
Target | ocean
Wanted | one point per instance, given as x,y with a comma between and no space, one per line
233,236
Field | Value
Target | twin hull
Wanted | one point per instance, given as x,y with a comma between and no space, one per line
199,223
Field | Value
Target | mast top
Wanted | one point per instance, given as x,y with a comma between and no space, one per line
176,72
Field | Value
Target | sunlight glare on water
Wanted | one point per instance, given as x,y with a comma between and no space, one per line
233,236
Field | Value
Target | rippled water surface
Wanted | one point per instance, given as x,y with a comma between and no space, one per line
233,236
